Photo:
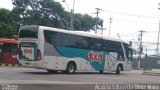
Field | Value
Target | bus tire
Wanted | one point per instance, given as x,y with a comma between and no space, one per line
71,67
51,71
118,71
101,72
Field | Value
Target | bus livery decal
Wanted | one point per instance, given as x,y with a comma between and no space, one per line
83,53
95,56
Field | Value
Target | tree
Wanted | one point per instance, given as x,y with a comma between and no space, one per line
8,24
39,12
86,22
51,13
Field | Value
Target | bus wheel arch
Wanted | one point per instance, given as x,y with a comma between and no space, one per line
101,71
119,68
71,67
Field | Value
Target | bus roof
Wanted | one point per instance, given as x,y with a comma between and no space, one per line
80,33
10,41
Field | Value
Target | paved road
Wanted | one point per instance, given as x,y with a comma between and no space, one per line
42,78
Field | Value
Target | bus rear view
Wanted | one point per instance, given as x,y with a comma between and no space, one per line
29,52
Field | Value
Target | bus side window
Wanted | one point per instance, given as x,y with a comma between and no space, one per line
129,54
104,48
97,46
119,50
80,42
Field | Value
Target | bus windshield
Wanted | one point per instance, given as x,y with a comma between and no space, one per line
10,48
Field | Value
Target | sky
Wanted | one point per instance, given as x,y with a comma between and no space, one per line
128,16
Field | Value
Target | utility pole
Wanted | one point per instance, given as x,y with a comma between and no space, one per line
97,19
110,21
158,40
158,35
71,14
140,47
102,30
71,21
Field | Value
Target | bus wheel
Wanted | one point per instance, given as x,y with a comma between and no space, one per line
71,67
118,71
101,72
51,71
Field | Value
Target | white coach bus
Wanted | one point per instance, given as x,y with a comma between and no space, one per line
62,50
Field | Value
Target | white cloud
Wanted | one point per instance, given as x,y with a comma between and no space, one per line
6,4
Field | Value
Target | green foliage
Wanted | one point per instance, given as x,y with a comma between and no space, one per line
8,25
39,12
42,12
51,13
86,22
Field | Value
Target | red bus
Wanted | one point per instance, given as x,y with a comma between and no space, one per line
8,51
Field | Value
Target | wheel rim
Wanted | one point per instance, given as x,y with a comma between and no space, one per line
71,69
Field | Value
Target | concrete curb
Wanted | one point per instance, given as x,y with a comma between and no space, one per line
151,73
10,65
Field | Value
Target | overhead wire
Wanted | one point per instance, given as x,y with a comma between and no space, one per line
128,14
134,21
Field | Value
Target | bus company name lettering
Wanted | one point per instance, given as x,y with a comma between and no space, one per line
95,57
28,51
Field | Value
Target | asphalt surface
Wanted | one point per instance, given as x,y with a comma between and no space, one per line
31,79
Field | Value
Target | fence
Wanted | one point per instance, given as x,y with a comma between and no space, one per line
149,62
